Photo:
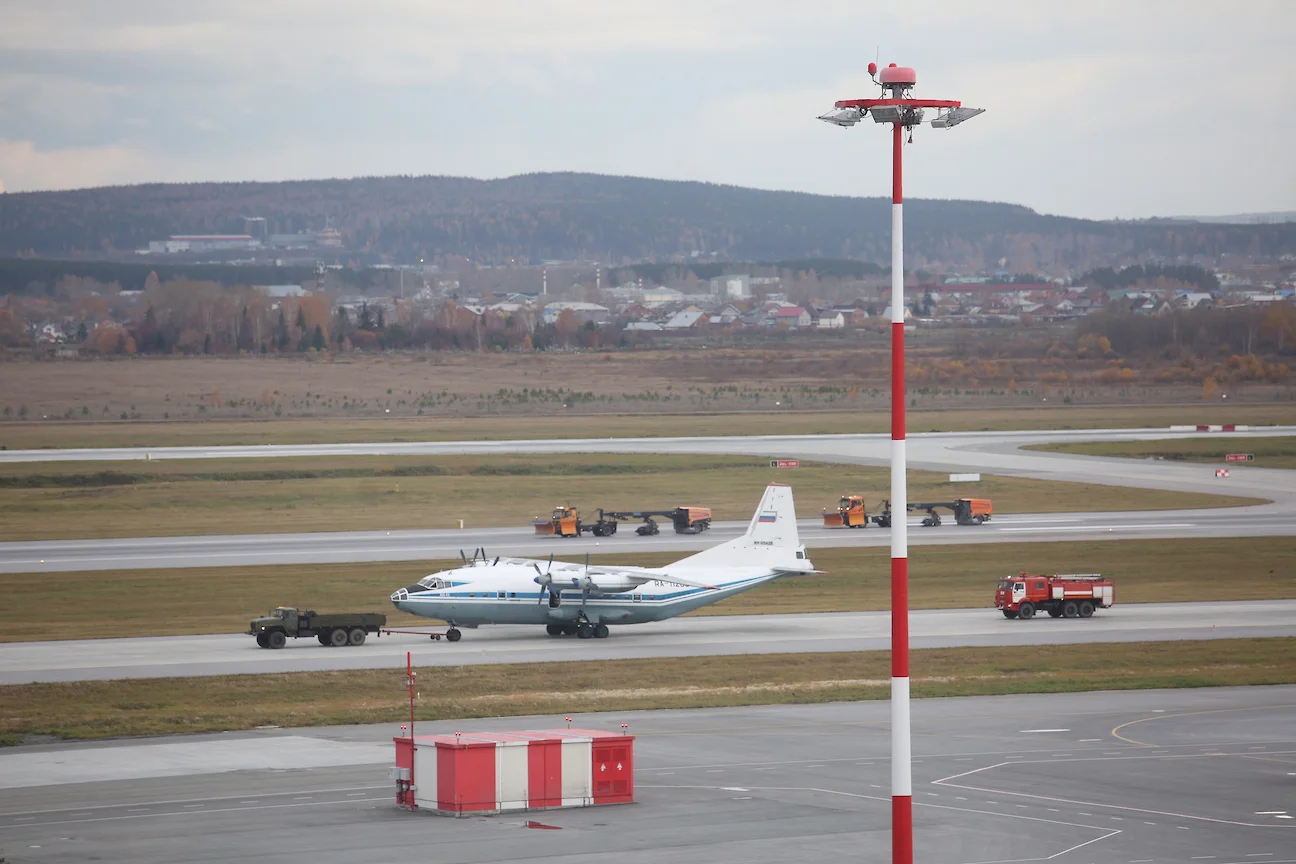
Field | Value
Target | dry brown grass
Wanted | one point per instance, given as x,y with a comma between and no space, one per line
101,709
157,602
226,496
829,388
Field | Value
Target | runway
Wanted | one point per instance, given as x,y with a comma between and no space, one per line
171,656
996,453
50,556
1094,778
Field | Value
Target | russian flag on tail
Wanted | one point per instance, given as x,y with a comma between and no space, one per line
767,517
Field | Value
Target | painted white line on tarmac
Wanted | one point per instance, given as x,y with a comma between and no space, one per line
1108,527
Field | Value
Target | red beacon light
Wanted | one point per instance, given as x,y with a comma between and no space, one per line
899,76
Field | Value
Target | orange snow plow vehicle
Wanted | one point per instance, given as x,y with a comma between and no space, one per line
565,522
850,513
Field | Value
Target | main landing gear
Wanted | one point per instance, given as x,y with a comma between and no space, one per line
583,630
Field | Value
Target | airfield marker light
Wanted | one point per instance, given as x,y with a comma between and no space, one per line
899,108
624,727
568,719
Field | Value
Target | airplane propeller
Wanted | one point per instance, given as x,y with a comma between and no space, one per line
584,583
544,580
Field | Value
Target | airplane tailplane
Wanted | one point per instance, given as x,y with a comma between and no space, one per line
771,539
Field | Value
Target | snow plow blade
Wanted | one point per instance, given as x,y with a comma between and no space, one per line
543,529
833,520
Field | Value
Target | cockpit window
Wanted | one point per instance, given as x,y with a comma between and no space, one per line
432,582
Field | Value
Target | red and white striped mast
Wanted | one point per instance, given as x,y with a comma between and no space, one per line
902,111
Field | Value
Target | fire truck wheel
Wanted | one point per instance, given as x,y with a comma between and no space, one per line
1086,609
1008,613
1069,609
1054,612
1026,611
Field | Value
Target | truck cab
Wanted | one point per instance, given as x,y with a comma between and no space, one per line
850,513
563,522
1061,595
284,618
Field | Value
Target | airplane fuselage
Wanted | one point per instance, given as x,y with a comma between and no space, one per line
507,593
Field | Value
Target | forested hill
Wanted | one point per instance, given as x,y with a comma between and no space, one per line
537,217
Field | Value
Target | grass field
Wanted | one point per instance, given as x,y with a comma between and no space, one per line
53,501
103,709
655,421
157,602
1276,452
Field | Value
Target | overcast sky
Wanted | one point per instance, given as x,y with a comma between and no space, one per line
1127,108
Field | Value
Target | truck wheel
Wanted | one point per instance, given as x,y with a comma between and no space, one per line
1069,609
1008,613
1026,611
1086,609
977,520
337,638
263,640
1054,612
323,638
453,635
277,639
357,636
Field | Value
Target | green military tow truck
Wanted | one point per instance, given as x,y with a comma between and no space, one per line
338,630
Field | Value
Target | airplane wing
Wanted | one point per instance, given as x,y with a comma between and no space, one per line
625,578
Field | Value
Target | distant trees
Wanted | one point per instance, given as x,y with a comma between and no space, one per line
1128,277
1228,344
573,217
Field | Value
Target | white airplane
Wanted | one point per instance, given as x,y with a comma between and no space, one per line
583,600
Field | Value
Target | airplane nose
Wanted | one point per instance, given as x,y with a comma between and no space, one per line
404,593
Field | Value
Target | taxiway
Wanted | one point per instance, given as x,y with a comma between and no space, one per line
184,656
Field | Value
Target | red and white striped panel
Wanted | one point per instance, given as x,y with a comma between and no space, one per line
493,772
1221,472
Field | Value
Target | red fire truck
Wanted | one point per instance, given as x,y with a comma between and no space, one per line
1063,595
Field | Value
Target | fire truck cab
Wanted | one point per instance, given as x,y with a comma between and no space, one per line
1061,595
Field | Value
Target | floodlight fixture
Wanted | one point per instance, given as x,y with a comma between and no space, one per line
955,116
902,114
843,117
899,108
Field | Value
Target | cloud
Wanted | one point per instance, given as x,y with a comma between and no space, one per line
25,167
1096,107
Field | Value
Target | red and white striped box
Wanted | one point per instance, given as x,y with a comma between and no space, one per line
495,772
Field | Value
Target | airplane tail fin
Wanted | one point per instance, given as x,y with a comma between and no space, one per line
771,539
